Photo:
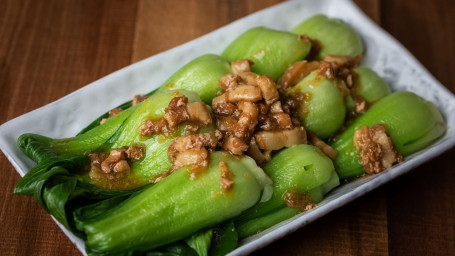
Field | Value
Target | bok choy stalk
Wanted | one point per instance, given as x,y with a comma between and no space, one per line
121,130
301,176
156,159
176,207
412,123
81,144
272,51
201,76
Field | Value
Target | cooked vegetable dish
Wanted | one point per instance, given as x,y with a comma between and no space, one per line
229,145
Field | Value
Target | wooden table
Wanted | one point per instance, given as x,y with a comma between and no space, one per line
51,48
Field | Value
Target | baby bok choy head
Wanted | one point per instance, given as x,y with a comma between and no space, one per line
201,75
301,176
334,36
272,51
368,86
322,109
411,122
177,206
144,129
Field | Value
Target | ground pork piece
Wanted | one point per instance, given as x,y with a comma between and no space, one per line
263,110
265,83
326,69
282,120
135,152
234,145
229,82
112,112
138,99
225,108
191,150
194,141
338,66
249,93
121,166
349,80
360,105
226,177
197,156
241,66
274,140
248,120
377,152
115,156
97,158
343,61
218,100
176,112
326,149
115,112
276,107
296,72
115,162
151,127
226,124
301,201
198,112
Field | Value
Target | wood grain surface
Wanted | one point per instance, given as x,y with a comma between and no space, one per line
51,48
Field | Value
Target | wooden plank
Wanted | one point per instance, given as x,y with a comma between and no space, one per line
421,209
162,25
425,28
360,228
47,50
421,205
372,8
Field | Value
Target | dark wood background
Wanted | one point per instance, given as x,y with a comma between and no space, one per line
49,48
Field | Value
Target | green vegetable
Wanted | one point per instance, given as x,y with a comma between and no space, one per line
156,159
334,35
165,212
96,122
200,242
272,51
224,239
202,75
58,190
92,139
368,85
121,130
263,222
322,109
412,123
301,170
33,144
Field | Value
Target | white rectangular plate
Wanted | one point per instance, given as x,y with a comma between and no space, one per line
65,117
